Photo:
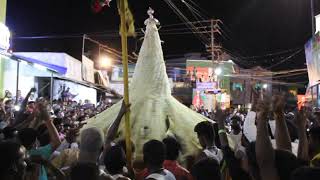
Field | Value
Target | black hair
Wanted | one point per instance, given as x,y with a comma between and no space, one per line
43,135
44,139
206,169
236,118
31,102
293,132
154,153
173,148
123,145
57,121
8,101
315,133
115,159
252,160
84,171
56,111
286,163
27,137
9,155
306,173
205,128
9,132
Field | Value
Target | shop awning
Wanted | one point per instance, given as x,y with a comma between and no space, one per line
56,68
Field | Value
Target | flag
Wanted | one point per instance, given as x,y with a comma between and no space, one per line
97,5
129,19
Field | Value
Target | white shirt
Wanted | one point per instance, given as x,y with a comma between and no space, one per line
214,152
166,176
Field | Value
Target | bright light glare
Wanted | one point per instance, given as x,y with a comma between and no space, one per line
105,61
17,107
265,86
218,71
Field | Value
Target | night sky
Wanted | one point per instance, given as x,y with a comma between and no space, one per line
251,27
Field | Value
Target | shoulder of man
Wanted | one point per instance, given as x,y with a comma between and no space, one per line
104,176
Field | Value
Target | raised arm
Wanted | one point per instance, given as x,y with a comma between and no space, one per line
26,99
282,135
40,160
113,129
303,148
264,152
23,107
221,117
53,133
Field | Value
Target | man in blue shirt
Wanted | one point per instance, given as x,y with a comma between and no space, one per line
28,138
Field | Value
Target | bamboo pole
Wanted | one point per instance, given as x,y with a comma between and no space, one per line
124,44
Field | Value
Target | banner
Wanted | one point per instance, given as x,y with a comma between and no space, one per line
206,85
200,98
118,87
87,69
312,51
73,91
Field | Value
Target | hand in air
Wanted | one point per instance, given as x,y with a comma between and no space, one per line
302,118
33,89
221,115
278,104
124,108
42,111
263,107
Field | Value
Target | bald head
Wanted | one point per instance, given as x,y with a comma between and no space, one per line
91,140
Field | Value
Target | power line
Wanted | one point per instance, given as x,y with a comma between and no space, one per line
272,54
289,57
204,40
116,52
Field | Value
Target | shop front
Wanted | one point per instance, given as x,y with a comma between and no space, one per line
312,52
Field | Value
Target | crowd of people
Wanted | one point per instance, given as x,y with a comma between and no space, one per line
65,110
40,141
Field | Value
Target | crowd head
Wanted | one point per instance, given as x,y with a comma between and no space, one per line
40,140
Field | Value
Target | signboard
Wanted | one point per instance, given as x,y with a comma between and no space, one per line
4,37
200,98
117,72
87,69
312,51
224,100
203,71
206,85
118,87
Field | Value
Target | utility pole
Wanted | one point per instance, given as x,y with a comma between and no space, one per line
212,48
312,17
212,41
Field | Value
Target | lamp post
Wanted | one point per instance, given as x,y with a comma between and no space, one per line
105,61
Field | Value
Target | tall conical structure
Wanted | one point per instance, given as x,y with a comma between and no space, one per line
155,113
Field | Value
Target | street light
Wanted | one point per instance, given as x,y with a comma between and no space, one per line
105,61
218,71
265,86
